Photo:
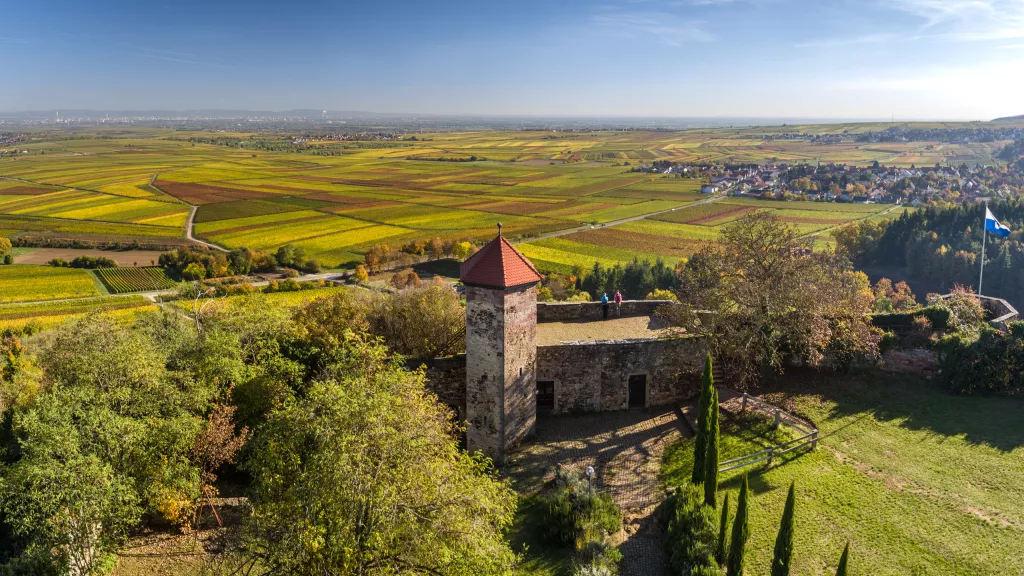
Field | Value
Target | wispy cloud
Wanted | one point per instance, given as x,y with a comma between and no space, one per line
945,21
663,27
13,40
967,20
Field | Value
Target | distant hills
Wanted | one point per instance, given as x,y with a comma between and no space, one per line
1019,118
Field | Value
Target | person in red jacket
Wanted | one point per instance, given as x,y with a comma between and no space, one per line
618,303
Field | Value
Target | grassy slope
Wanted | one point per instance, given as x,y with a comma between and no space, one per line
919,481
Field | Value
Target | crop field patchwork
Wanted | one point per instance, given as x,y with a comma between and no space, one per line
339,206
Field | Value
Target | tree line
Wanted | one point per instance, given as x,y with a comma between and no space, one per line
350,464
943,245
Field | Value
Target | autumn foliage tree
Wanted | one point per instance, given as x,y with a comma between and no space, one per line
763,295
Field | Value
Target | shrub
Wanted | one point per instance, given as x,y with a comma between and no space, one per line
691,536
576,514
194,271
938,315
965,308
290,272
993,363
662,295
8,258
312,267
888,342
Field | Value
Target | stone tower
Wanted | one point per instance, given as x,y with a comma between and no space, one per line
501,347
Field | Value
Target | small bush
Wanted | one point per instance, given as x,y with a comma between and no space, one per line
938,315
575,515
692,534
888,342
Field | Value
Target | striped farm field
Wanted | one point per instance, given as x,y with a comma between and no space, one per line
46,315
23,283
704,214
124,280
67,307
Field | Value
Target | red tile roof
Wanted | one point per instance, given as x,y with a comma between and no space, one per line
498,265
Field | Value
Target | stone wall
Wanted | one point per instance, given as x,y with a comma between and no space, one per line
562,311
446,377
593,376
912,360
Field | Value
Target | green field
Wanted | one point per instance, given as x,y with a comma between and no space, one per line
22,283
917,480
123,280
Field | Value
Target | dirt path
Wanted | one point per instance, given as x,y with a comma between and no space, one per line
625,448
188,230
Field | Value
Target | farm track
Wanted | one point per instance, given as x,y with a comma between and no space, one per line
190,222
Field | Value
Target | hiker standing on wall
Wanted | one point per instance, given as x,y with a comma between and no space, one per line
604,305
618,303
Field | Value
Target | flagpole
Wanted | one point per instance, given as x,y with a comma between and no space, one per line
984,234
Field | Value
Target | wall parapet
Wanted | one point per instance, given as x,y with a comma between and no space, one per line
562,311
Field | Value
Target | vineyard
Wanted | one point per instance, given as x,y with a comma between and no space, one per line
122,280
26,283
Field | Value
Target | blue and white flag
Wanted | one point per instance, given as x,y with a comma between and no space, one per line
993,225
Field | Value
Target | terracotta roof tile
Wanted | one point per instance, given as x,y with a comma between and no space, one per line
498,265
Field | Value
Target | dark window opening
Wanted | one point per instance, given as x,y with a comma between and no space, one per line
638,391
545,396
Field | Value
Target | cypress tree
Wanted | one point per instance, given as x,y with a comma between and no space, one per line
723,527
740,533
784,541
841,571
711,453
700,442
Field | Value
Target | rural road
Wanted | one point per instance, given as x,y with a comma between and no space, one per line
190,223
622,221
188,230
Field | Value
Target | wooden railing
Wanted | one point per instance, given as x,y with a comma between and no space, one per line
809,437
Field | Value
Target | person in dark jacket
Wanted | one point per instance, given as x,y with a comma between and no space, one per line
604,305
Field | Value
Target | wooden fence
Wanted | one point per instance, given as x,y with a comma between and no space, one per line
809,437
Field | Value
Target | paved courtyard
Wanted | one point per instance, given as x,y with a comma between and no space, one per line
625,449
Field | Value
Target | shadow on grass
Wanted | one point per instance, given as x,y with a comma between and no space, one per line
916,404
527,537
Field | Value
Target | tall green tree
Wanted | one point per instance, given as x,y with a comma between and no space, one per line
711,453
707,389
723,527
784,541
363,474
841,571
740,532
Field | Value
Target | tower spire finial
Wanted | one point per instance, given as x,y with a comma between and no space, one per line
499,228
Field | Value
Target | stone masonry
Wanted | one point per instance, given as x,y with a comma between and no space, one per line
501,359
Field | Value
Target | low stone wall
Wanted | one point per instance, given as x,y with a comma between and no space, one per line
594,376
446,377
912,360
562,311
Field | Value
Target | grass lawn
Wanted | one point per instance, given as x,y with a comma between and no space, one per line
917,480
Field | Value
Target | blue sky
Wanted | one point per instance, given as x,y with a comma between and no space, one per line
961,59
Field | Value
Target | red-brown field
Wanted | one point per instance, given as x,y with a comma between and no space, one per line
199,194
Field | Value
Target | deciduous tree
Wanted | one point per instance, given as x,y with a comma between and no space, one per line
364,476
